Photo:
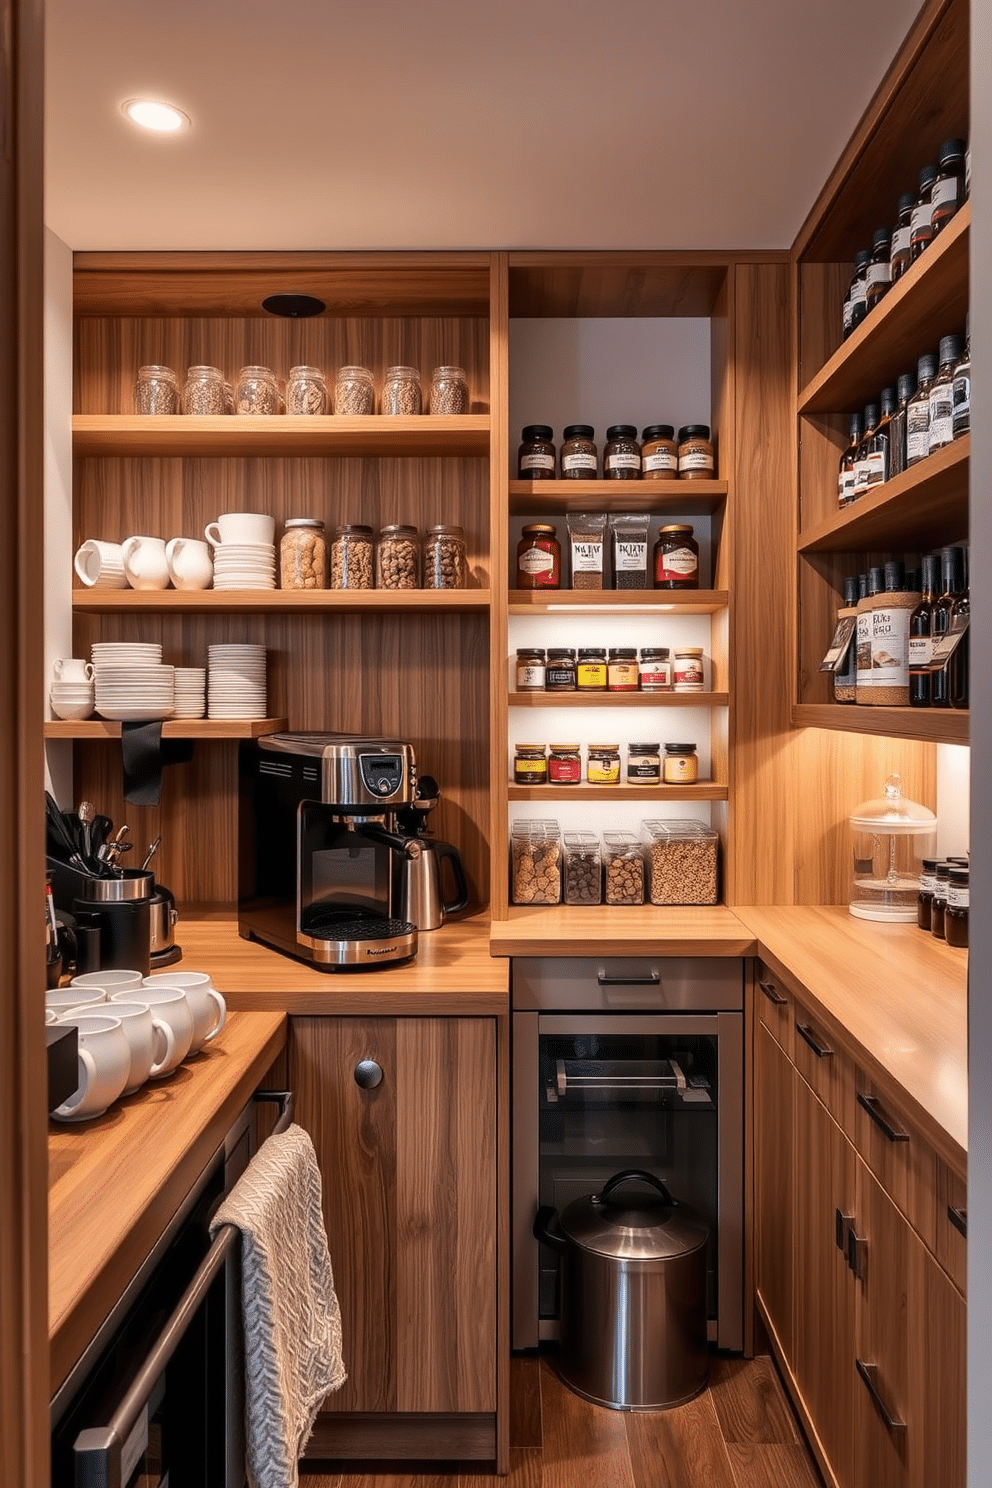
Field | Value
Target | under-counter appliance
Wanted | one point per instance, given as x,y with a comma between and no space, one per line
624,1063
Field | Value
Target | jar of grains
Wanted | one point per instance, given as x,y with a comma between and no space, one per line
530,764
656,669
401,391
449,390
579,458
306,391
696,461
622,453
676,558
302,554
156,390
257,391
688,669
681,764
397,558
536,455
564,764
445,565
603,764
659,452
539,557
354,391
560,675
530,669
203,392
351,557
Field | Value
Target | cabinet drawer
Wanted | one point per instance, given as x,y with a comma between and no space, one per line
904,1164
952,1224
824,1066
775,1005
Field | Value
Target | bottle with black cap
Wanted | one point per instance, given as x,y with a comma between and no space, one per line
921,220
864,682
856,305
845,470
958,666
920,641
942,393
845,679
951,571
905,388
899,259
947,193
861,458
961,387
878,275
877,458
890,617
918,411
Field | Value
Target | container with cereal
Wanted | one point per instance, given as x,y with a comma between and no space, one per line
623,866
535,859
682,862
582,868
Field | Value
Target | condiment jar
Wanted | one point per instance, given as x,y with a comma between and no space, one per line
257,391
681,764
564,764
539,557
354,391
924,899
603,764
622,675
156,391
948,191
397,558
401,392
445,564
622,453
530,764
302,554
956,912
676,558
536,456
591,670
203,392
643,764
530,670
655,669
352,553
938,905
659,452
579,457
306,391
696,460
449,391
561,673
688,669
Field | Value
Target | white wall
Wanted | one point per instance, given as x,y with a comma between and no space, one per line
58,489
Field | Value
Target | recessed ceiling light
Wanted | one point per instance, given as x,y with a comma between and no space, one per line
161,117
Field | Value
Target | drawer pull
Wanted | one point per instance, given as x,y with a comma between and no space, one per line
843,1225
870,1104
772,993
857,1253
651,980
808,1036
959,1219
368,1074
893,1425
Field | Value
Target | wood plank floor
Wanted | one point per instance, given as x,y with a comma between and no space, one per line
740,1433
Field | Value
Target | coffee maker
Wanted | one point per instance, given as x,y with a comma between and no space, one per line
320,857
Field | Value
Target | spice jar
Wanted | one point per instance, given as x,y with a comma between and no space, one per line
582,872
676,558
643,764
696,461
623,868
681,764
156,390
306,391
539,558
579,456
564,764
603,764
256,392
530,671
351,557
445,565
449,391
401,391
561,672
622,453
536,456
956,913
530,764
938,905
302,554
591,671
659,452
203,392
354,391
622,674
688,669
655,669
397,558
924,899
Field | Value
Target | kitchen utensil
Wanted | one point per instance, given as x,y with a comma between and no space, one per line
152,850
422,900
86,812
61,842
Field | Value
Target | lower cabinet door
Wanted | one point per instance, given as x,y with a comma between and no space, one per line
402,1113
774,1166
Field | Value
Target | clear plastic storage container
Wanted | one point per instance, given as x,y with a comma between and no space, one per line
682,862
535,862
623,868
583,873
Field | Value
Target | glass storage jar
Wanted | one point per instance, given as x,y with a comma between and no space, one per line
659,452
302,554
306,391
401,393
530,669
581,868
156,390
592,674
676,558
445,565
643,764
938,905
539,557
603,764
397,558
579,457
352,557
890,837
256,391
354,391
530,764
449,391
681,764
535,862
956,912
696,459
682,862
622,669
203,391
924,900
687,672
561,672
655,669
536,455
623,868
622,453
564,764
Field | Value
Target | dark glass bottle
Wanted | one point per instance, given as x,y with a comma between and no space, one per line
878,275
846,679
956,912
858,306
845,471
961,388
920,643
877,458
947,193
938,905
951,568
921,221
924,899
899,259
942,393
918,411
958,666
861,458
905,388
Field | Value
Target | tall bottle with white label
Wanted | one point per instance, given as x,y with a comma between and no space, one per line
861,462
918,411
877,458
846,678
920,640
905,388
864,635
845,470
942,393
951,585
961,388
890,624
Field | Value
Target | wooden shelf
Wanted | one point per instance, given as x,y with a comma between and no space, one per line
703,790
931,725
250,436
618,699
276,601
658,601
669,497
929,301
922,507
172,728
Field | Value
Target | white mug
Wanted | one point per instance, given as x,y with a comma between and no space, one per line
152,1042
111,982
100,565
104,1065
240,527
62,999
205,1003
145,563
73,671
170,1005
190,563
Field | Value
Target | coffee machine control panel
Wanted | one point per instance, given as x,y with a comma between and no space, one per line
382,774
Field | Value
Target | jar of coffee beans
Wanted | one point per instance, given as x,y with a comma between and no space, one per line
622,453
397,558
306,391
351,558
256,392
354,391
623,865
156,390
302,554
449,390
582,871
579,458
445,565
536,455
203,392
401,391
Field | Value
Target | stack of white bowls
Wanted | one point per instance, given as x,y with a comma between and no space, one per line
132,685
191,692
236,682
72,691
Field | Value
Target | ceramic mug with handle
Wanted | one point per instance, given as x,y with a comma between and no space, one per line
100,565
152,1042
145,563
206,1004
73,671
170,1005
240,527
104,1066
190,563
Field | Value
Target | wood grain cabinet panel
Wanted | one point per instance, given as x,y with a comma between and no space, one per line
904,1164
774,1166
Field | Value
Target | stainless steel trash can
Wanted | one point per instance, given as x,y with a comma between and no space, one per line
633,1294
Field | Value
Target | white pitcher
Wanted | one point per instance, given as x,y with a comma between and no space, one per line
145,563
190,563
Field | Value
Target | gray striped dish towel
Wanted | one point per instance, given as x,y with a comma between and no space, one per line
292,1322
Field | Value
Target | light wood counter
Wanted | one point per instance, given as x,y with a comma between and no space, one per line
115,1183
894,997
619,930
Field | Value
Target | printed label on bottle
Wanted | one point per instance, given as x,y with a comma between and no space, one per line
537,462
958,896
879,273
944,192
643,767
564,771
928,882
592,674
920,651
678,563
857,295
630,557
531,676
689,673
890,647
860,475
579,461
877,466
587,557
917,430
696,459
847,315
941,415
900,243
848,476
623,462
656,676
961,400
863,643
536,561
662,459
920,223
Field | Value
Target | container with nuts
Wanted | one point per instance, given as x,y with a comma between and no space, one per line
354,391
352,558
623,868
449,391
401,392
581,868
682,862
257,391
306,391
397,558
535,862
203,391
445,565
302,554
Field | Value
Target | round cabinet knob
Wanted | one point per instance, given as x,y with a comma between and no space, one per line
368,1074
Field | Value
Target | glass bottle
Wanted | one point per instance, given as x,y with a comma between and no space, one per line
924,900
961,388
951,565
865,681
938,904
536,455
956,912
918,411
844,680
957,667
920,643
905,388
861,458
899,258
622,453
539,557
857,293
947,193
578,457
845,470
942,393
921,221
878,276
877,458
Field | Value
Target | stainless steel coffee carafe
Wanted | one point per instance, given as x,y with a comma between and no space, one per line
421,897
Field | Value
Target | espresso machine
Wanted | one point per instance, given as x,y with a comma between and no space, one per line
321,860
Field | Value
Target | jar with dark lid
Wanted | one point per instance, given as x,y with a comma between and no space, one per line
579,457
924,899
352,552
696,460
956,912
530,670
938,905
899,254
622,453
591,670
947,193
397,558
445,563
921,221
302,554
560,675
603,764
564,764
681,764
644,764
878,276
530,764
676,558
622,669
539,557
655,669
536,456
856,307
659,452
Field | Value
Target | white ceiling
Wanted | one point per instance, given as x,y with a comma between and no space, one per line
322,124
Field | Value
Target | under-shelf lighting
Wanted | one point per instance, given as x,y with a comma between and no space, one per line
163,118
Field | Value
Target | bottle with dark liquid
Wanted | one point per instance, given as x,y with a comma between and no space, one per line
845,471
921,219
846,678
899,259
947,193
951,568
958,666
877,459
905,388
920,643
856,304
878,275
918,411
861,458
961,388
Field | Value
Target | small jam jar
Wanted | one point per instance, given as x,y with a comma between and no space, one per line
681,764
579,457
539,558
655,669
591,672
956,912
688,669
530,764
659,452
603,764
676,558
530,669
536,456
561,674
622,453
696,461
564,764
643,764
622,673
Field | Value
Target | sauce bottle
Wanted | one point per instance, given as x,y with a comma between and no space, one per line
957,667
878,275
951,565
920,642
899,259
905,388
877,458
857,308
845,470
846,678
961,388
918,411
942,393
861,458
948,191
921,220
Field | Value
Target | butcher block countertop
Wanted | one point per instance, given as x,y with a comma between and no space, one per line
115,1183
618,930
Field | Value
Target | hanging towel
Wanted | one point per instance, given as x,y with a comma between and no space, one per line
292,1322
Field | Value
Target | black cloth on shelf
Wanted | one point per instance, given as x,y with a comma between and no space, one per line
144,754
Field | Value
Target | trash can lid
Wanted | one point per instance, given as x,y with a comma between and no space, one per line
634,1224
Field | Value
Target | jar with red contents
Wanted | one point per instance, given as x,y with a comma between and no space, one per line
564,764
539,558
676,558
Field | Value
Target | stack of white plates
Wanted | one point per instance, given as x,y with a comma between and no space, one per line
191,692
125,653
236,682
245,566
135,693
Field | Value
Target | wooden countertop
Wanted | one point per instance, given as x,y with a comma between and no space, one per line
618,930
115,1183
893,996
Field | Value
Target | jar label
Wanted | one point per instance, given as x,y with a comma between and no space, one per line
890,647
656,676
564,771
623,462
562,677
678,563
623,676
928,882
958,896
630,557
864,644
917,430
921,222
579,461
961,399
689,673
695,458
920,650
876,466
941,415
536,561
900,243
680,768
644,767
879,273
603,771
944,192
847,315
530,676
537,462
592,674
857,294
662,459
530,767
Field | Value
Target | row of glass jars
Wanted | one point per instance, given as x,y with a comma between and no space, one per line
658,455
672,862
358,559
594,669
673,565
943,900
258,391
561,764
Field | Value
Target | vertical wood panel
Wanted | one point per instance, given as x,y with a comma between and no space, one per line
499,475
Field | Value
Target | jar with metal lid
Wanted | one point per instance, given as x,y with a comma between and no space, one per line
257,391
603,764
687,671
676,558
352,557
536,455
579,457
643,764
539,557
696,461
397,558
564,764
203,391
401,393
306,391
622,453
445,564
530,764
561,672
956,913
156,390
622,675
449,391
582,870
681,764
655,669
530,669
924,899
659,452
302,554
591,673
938,905
354,391
623,868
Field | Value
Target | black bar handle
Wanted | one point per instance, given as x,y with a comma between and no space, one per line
870,1104
651,980
772,993
287,1100
546,1229
808,1036
868,1372
959,1219
637,1175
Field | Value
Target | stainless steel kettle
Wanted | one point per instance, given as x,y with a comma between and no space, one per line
421,897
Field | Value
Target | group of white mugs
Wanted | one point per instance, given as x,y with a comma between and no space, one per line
132,1028
154,563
